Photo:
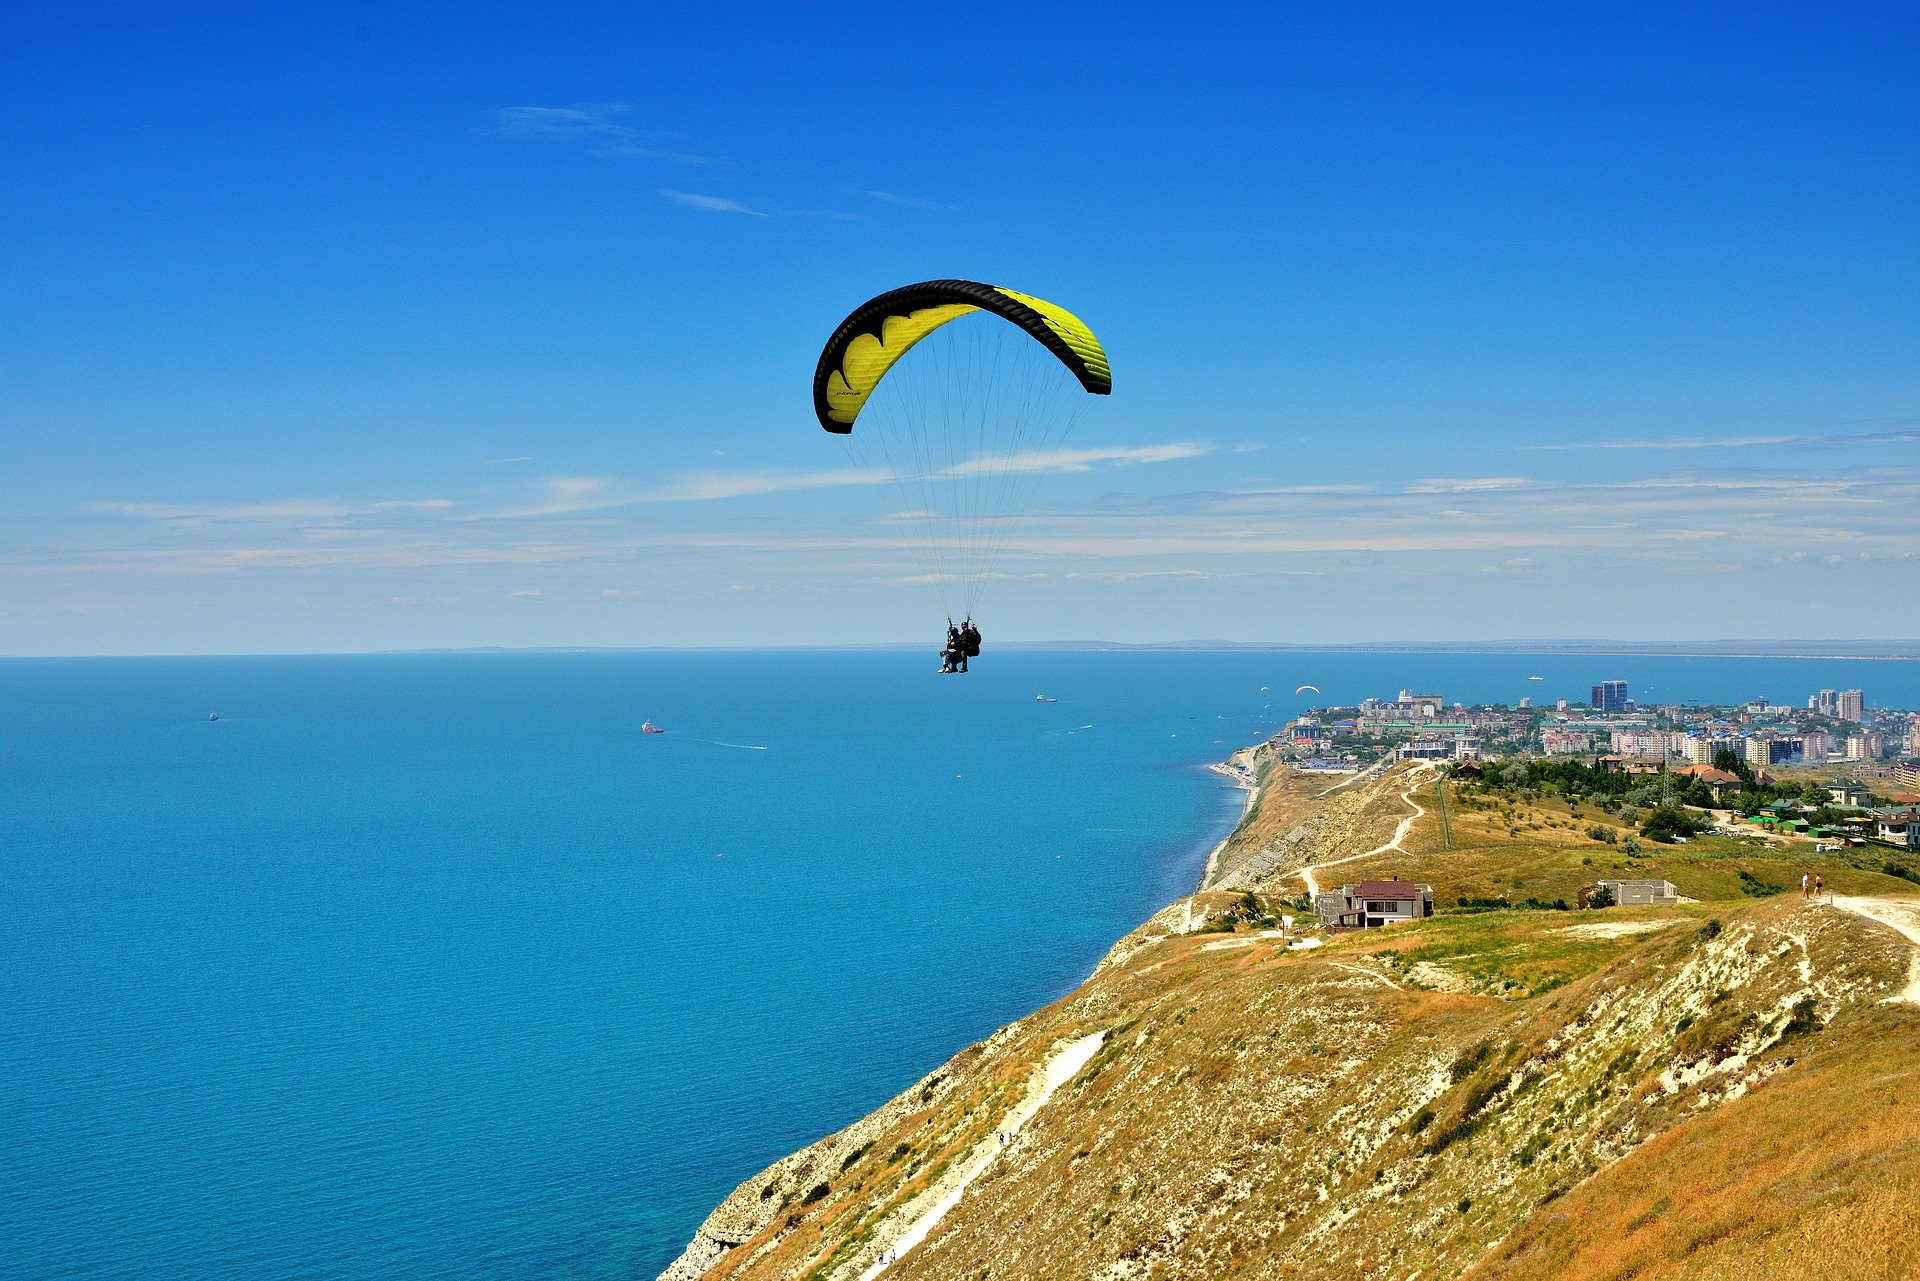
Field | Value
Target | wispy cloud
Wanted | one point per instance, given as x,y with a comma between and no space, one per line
1301,489
599,125
1466,485
710,204
566,495
1075,460
1829,440
707,486
287,509
500,462
571,494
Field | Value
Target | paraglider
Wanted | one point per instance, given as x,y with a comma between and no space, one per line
1304,688
963,416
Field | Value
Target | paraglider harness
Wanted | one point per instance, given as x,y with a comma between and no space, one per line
963,642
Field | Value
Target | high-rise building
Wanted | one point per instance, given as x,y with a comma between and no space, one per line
1700,750
1848,704
1825,701
1817,745
1759,750
1610,696
1864,747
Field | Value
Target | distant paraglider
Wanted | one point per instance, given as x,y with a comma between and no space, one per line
1304,688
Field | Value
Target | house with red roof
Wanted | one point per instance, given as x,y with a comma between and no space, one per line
1721,782
1371,904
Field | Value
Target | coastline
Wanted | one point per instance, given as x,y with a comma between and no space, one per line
1243,768
738,1218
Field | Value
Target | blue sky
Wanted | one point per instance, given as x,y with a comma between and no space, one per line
355,328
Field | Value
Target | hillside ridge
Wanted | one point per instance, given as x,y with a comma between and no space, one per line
1461,1094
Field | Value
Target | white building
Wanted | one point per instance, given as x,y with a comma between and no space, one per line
1850,794
1642,893
1900,827
1371,904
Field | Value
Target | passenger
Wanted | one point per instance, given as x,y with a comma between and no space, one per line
953,656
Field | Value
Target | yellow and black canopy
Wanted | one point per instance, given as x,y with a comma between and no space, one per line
881,331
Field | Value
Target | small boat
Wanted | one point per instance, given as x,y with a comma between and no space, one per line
1536,678
648,727
1042,698
213,716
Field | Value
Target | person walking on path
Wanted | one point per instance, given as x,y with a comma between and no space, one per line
1819,883
1805,880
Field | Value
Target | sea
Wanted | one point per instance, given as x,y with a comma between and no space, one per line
436,965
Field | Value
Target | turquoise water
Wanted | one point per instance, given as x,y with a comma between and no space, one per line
435,966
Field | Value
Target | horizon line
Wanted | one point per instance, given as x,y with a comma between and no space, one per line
1874,649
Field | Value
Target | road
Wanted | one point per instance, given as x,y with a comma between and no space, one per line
1414,779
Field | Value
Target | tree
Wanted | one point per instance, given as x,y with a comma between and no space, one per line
1725,758
1667,825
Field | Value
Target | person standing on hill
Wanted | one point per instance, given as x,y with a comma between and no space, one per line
1804,879
1819,884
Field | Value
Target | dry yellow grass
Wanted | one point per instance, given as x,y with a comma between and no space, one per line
1587,1107
1814,1175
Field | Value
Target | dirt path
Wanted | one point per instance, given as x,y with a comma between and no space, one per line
1902,915
1366,775
1398,842
1060,1069
1365,973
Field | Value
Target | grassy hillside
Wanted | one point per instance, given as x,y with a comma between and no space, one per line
1544,848
1529,1093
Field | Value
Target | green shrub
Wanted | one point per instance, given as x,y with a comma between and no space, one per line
1469,1059
1668,824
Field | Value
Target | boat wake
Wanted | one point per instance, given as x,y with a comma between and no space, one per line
745,747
